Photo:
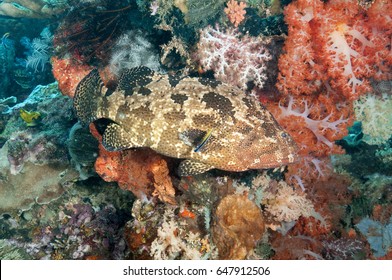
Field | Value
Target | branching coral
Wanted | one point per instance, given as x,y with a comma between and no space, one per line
235,59
173,242
235,12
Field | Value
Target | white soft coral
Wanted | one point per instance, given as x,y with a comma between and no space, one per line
173,242
235,60
375,113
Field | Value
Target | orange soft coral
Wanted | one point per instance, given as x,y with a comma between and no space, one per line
333,43
141,171
315,122
235,12
332,51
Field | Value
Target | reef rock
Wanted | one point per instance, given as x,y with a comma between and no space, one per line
34,161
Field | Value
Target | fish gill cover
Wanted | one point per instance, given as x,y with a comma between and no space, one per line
178,129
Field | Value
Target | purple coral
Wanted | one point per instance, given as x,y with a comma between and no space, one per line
235,59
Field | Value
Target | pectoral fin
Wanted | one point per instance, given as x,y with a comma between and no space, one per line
115,138
190,167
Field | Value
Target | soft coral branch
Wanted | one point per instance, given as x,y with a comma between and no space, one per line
334,42
234,59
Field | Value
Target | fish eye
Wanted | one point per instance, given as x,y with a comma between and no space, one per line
284,135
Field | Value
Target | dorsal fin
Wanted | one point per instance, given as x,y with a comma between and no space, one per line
135,77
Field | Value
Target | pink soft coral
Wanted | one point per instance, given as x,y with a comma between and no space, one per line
235,12
235,60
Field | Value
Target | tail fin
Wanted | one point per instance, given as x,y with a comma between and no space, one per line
89,98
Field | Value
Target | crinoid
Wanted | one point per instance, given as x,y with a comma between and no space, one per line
87,31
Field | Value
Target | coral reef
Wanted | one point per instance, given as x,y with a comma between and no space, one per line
88,31
132,49
345,42
68,74
322,68
83,150
375,113
7,56
34,162
86,222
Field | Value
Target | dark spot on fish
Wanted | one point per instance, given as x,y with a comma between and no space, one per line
101,124
209,82
219,103
179,98
144,91
249,141
202,120
174,117
243,128
135,77
269,129
174,80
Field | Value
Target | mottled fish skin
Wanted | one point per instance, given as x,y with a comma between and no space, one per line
156,111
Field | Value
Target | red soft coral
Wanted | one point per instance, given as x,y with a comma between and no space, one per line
299,71
315,122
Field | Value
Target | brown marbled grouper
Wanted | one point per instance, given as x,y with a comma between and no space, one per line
205,122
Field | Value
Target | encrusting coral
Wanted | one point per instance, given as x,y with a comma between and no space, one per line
142,171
